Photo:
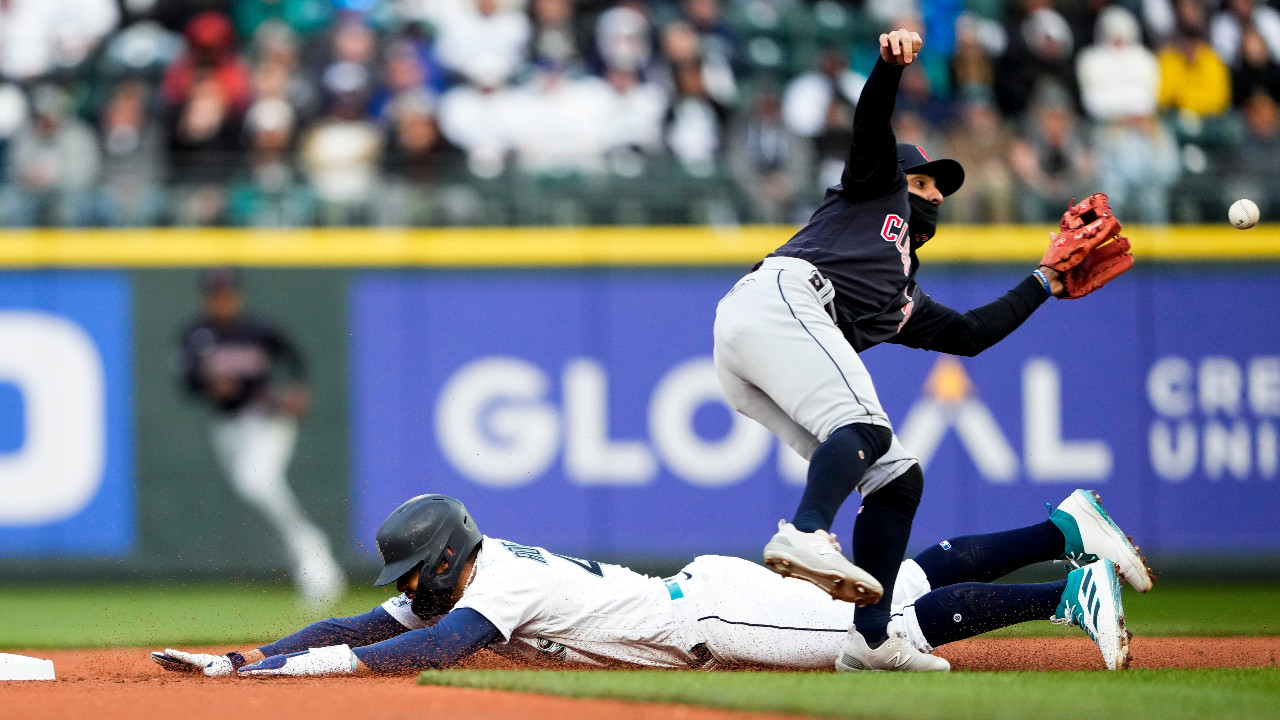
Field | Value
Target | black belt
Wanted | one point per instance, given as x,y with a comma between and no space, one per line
702,659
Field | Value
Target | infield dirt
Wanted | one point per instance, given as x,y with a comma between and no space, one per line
123,684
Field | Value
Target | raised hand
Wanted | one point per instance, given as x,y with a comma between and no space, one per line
900,46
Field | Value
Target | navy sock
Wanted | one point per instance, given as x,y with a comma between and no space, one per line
834,471
880,536
959,611
983,558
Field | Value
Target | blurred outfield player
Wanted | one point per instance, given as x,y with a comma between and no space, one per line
787,338
462,592
232,361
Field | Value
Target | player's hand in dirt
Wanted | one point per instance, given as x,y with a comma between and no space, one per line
316,662
211,665
900,46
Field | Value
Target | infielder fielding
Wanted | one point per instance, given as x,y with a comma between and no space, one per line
787,338
462,591
230,360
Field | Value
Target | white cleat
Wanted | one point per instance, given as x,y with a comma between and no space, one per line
1091,601
1092,534
817,558
896,654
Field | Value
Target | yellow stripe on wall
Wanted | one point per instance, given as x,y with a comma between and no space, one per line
598,246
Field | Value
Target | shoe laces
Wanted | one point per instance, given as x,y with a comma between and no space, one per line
1074,618
830,539
1078,560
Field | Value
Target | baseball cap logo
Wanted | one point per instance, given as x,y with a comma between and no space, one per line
923,155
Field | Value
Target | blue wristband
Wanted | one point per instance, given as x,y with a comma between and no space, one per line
1043,281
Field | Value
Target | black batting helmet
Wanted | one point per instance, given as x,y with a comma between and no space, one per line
427,529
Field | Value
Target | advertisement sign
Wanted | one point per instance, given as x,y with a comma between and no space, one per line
580,410
66,445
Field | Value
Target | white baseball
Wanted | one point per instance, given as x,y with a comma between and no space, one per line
1243,214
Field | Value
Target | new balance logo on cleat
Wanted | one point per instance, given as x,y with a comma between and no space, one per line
852,662
896,653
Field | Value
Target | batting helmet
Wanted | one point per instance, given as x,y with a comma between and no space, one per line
427,529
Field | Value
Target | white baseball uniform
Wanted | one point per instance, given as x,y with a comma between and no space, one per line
783,362
254,446
716,611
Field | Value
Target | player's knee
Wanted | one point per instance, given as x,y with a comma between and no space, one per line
903,493
872,440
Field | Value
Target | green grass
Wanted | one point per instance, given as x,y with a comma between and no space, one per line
155,615
200,613
1135,695
1189,610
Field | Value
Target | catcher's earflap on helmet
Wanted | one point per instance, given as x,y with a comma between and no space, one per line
436,532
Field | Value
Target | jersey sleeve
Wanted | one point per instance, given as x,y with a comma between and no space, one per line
458,634
928,317
371,627
933,326
508,591
871,168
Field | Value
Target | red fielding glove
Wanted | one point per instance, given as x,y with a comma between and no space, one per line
1084,226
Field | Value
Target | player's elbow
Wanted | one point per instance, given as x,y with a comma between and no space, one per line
965,346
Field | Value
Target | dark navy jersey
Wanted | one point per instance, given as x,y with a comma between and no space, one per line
858,236
232,365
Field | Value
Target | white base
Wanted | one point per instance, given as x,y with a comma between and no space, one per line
21,667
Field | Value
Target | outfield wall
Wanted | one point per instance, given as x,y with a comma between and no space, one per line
559,381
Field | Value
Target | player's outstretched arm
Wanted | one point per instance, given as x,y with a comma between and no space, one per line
371,627
365,629
1087,253
936,327
458,634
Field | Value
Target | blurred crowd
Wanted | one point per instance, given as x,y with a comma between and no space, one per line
435,112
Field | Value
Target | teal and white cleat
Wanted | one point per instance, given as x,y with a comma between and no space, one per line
1091,601
1092,534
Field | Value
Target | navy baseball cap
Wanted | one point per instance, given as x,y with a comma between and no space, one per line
948,173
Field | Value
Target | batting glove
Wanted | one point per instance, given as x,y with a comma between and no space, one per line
211,665
316,662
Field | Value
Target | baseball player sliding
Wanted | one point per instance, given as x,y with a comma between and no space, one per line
787,338
462,591
230,360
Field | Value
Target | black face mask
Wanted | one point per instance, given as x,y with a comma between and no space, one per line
428,604
924,220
